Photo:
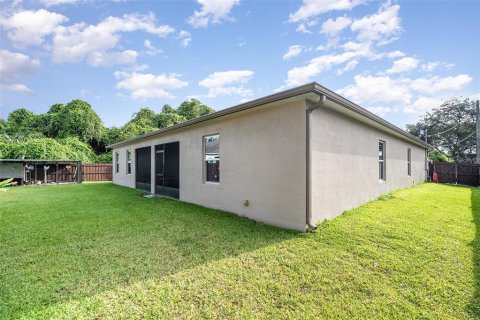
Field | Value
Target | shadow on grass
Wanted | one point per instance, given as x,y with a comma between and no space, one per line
474,307
69,242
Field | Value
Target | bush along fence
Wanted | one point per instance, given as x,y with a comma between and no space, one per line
25,171
458,173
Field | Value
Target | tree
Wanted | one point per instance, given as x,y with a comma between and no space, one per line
168,109
168,119
193,108
450,127
133,129
144,117
75,119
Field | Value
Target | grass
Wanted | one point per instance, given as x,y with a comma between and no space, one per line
103,251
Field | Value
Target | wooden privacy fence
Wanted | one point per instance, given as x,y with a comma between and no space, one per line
97,172
460,173
90,172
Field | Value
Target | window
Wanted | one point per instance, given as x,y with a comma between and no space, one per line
129,162
211,145
381,160
409,161
117,164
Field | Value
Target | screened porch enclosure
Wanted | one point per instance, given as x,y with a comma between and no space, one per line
167,169
143,168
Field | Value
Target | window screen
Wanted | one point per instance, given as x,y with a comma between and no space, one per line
381,160
212,158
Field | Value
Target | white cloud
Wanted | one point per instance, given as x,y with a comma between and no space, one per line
400,92
146,85
292,52
377,89
17,87
430,66
313,8
348,67
395,54
436,84
422,104
185,38
30,27
49,3
212,12
89,42
333,27
353,51
227,83
12,66
151,49
99,58
381,26
404,65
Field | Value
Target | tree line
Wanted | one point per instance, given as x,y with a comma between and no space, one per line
75,131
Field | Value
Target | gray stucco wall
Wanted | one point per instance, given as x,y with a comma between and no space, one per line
262,159
344,163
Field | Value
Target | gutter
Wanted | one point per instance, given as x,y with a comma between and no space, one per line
308,187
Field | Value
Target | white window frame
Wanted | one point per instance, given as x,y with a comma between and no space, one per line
383,161
129,162
204,160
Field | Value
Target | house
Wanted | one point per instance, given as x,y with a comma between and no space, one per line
291,159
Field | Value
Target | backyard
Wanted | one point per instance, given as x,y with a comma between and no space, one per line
103,251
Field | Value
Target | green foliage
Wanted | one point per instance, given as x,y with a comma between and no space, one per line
133,129
193,108
74,131
168,109
76,119
104,158
451,127
5,183
168,119
436,155
48,148
144,117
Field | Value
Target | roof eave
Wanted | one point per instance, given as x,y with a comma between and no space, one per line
364,112
312,87
307,88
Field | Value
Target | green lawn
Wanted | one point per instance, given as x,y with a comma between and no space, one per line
104,251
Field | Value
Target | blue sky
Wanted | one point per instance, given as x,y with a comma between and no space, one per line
396,58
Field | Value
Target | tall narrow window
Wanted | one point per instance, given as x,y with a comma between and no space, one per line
409,161
211,153
117,163
129,162
381,160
